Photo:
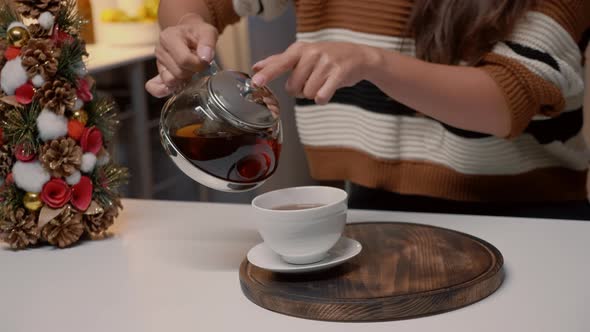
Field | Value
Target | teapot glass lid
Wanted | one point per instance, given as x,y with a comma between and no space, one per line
242,103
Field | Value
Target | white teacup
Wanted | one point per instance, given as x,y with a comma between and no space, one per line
304,235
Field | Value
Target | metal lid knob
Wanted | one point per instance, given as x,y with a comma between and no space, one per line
241,102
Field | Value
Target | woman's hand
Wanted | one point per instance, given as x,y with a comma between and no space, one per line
319,69
463,97
183,50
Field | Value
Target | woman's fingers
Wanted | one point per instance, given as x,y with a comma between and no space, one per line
313,85
167,78
178,48
157,88
300,75
275,67
261,64
206,44
319,69
326,92
168,62
317,78
190,46
183,50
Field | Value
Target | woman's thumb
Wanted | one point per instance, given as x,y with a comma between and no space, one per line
157,88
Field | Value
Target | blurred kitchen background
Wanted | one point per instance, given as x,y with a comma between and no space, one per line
121,37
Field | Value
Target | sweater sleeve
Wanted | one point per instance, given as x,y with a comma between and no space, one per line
266,9
222,13
226,12
539,66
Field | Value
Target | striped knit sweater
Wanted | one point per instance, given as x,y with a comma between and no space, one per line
365,137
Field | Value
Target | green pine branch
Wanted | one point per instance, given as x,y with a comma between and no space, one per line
7,16
106,181
20,127
69,19
11,195
69,59
102,113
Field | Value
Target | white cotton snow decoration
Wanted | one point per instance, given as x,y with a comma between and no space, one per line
46,20
81,69
103,158
16,24
38,81
88,162
74,178
78,104
12,76
30,176
51,125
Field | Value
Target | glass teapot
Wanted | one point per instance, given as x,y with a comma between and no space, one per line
222,131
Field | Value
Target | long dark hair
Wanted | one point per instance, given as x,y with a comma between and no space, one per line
449,31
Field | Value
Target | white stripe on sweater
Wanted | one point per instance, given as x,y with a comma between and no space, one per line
539,31
420,139
403,45
542,33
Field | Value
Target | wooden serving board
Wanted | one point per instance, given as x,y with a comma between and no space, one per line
404,271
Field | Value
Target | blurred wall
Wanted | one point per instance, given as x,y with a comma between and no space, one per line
97,7
234,46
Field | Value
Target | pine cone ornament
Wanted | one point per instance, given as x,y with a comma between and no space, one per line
3,47
6,161
18,228
65,229
34,8
37,31
58,96
39,57
96,224
61,157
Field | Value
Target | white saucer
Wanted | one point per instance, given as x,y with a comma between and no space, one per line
263,257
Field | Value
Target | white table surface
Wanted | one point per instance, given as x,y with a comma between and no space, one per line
174,267
104,57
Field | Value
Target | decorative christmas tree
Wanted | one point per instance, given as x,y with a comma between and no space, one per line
58,183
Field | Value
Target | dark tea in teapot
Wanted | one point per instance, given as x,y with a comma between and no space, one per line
236,156
223,131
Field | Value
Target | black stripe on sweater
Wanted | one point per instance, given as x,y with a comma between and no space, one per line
585,40
560,128
367,96
534,54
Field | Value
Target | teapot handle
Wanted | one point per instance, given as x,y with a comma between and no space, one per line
213,67
206,70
